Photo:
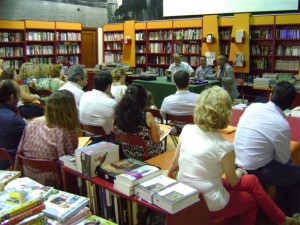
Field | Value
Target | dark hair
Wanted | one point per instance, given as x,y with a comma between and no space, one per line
7,88
283,95
102,79
8,73
76,73
182,79
129,112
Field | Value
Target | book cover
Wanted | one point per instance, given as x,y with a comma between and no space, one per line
147,189
30,186
62,205
239,59
78,217
110,171
12,206
138,175
23,215
210,58
7,176
93,219
176,197
37,219
102,155
68,161
124,189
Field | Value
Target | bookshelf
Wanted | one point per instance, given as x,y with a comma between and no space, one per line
225,40
140,47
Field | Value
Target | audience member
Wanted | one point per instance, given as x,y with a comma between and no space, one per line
50,136
150,104
130,118
178,65
41,75
118,87
57,76
203,70
9,73
203,155
11,125
77,79
183,101
28,103
262,146
97,106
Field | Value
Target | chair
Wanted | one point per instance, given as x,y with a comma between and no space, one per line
4,155
133,140
184,119
240,83
156,113
43,165
90,130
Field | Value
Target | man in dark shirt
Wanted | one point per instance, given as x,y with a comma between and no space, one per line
11,125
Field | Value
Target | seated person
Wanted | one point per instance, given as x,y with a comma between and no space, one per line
203,155
9,73
150,101
182,102
130,118
179,65
118,86
57,76
97,107
262,146
11,125
203,70
50,136
41,75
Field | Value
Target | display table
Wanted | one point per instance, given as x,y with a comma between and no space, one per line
161,88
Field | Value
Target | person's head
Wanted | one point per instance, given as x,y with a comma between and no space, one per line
61,110
78,74
150,99
118,74
26,71
9,73
203,61
182,79
9,92
221,60
176,59
41,71
129,111
283,95
56,70
213,109
102,81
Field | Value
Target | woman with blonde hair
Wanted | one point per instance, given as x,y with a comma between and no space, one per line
118,86
57,75
52,135
203,156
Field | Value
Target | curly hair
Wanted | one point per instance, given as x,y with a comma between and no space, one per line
26,71
129,112
213,109
41,70
55,70
117,73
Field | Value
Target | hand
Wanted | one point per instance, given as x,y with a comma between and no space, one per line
241,171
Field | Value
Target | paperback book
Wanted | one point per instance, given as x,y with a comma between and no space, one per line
124,189
68,161
38,218
138,175
147,189
93,219
239,59
78,217
176,197
7,176
62,205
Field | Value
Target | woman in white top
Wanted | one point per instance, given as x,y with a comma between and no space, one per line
118,86
203,156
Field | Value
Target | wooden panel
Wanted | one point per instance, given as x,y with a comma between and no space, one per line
287,19
210,26
261,20
187,23
140,26
112,27
225,21
160,24
34,24
129,48
89,47
68,26
10,24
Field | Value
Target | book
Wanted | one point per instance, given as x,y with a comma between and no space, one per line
110,171
239,35
124,189
30,186
7,176
23,215
78,217
12,206
176,197
68,161
62,205
93,219
239,59
83,141
295,111
210,58
97,156
147,189
37,219
138,175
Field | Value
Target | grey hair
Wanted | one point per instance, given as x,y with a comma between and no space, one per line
76,73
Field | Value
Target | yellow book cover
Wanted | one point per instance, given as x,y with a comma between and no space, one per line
7,176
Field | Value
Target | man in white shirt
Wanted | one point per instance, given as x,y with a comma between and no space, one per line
178,65
77,79
183,101
262,146
97,106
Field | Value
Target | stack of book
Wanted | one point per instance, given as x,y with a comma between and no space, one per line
7,176
261,82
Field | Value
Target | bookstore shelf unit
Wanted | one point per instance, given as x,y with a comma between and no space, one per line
39,42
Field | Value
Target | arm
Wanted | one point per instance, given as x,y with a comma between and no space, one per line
174,165
153,127
26,96
282,146
229,75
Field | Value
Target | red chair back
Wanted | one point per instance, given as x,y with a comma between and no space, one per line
187,119
156,113
94,130
4,155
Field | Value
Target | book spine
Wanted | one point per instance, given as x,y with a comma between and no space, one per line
37,219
